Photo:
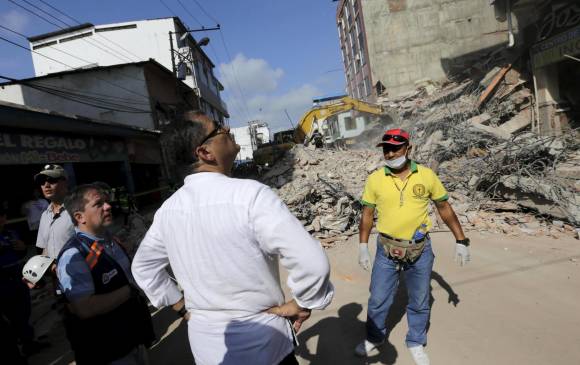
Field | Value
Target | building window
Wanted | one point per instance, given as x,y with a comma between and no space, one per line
367,85
361,44
349,123
44,45
78,36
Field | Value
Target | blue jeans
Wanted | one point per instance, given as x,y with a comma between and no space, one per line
384,283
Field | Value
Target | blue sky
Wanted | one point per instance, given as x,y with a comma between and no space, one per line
283,52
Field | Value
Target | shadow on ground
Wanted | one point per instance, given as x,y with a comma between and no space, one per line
338,336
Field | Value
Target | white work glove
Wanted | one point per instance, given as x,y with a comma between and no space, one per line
364,257
462,255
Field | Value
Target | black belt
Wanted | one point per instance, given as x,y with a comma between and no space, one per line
405,241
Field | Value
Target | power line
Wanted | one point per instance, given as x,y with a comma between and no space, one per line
205,12
56,49
98,34
189,12
167,7
211,47
244,103
87,101
72,68
69,54
27,49
58,26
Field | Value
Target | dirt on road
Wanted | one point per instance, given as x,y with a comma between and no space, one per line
515,303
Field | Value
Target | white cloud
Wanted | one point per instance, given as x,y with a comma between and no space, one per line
262,94
255,74
14,20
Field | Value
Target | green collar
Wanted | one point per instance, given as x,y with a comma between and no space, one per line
413,168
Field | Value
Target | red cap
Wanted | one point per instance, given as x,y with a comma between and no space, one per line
395,137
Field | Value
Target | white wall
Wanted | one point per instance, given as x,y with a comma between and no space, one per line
265,132
130,81
149,40
242,136
359,121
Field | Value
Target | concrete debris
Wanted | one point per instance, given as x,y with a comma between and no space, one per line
501,177
322,188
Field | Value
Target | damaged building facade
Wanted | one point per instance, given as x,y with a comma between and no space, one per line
547,41
390,48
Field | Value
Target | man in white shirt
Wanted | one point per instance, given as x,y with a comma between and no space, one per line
223,238
55,226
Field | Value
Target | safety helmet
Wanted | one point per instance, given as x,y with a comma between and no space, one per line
36,267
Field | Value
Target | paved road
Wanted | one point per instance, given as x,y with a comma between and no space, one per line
517,302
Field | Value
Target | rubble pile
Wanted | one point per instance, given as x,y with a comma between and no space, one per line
322,188
476,134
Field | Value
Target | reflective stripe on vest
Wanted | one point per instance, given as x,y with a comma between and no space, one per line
93,257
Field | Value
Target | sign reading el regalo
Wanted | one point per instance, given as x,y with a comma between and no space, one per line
19,149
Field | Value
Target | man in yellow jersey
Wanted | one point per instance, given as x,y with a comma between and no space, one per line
401,192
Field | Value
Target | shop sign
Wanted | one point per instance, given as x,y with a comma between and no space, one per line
558,21
19,149
554,49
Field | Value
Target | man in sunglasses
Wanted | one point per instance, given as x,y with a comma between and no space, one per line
223,238
55,226
401,192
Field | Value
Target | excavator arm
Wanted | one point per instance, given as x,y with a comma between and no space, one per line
321,114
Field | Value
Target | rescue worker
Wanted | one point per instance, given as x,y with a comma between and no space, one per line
400,192
106,319
15,305
223,238
55,226
318,139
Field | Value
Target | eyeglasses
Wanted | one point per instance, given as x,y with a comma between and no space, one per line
217,130
396,138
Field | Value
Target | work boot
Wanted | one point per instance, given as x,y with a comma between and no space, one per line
419,355
365,347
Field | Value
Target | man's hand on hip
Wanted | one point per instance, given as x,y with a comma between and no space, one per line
364,257
293,312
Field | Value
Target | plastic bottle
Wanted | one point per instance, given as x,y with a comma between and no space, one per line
420,232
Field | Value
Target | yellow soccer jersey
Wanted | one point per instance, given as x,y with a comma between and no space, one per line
402,205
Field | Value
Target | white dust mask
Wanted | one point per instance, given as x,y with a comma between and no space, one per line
396,163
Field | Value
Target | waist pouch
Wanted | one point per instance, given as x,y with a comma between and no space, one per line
402,250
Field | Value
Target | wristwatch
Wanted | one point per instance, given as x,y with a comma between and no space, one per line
464,242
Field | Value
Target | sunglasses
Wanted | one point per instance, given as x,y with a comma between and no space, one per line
217,130
396,138
392,148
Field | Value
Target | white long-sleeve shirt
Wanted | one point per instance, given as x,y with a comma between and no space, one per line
223,238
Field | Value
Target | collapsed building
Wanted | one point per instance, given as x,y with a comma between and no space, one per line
476,134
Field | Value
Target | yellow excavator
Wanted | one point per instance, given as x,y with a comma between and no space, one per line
323,120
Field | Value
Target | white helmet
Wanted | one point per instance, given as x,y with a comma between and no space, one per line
36,267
